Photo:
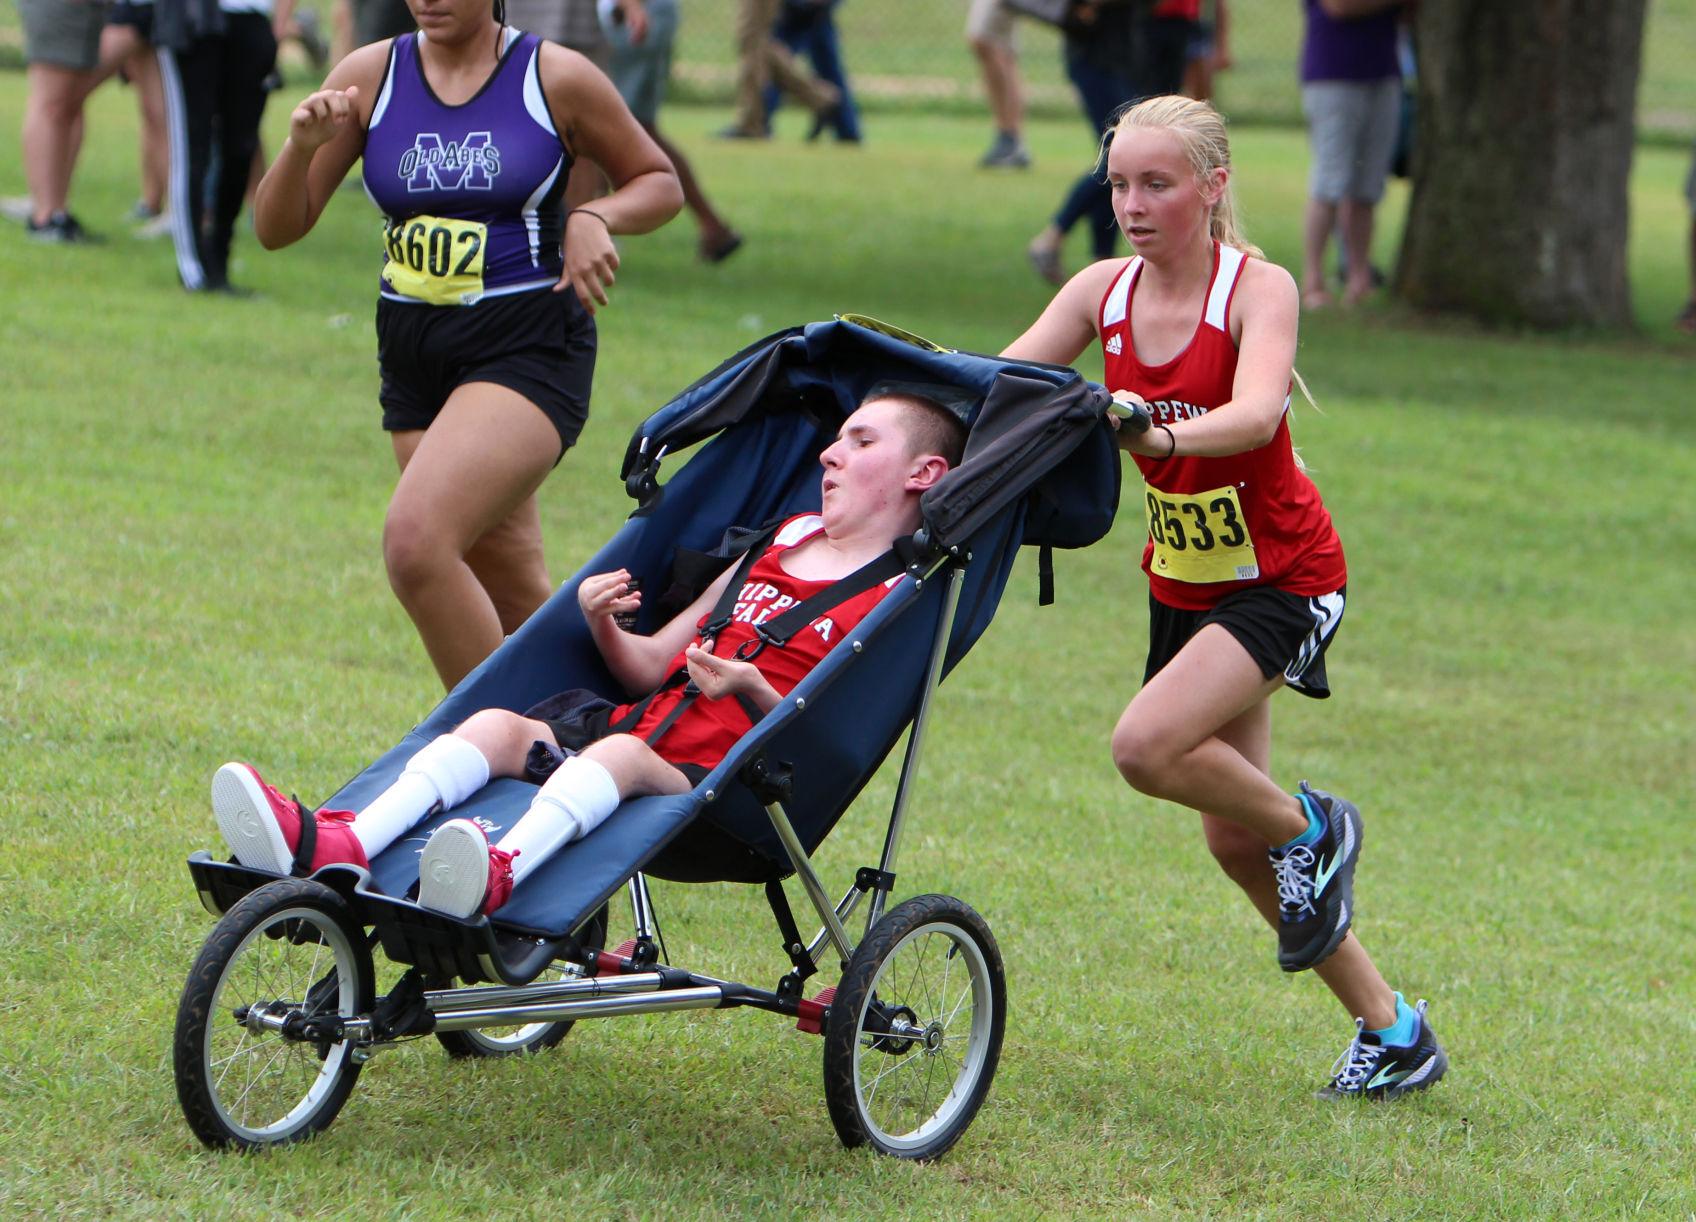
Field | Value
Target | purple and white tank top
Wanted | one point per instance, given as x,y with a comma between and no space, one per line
470,194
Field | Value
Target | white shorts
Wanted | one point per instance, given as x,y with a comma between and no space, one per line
991,21
1351,129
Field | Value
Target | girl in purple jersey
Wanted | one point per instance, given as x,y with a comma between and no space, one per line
467,130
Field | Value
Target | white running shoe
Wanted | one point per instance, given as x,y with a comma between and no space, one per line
461,873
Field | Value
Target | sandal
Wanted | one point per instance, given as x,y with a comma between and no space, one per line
717,250
1045,261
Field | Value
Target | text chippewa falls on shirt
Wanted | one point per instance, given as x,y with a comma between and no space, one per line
708,729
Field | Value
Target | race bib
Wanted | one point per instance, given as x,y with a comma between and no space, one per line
1200,537
435,259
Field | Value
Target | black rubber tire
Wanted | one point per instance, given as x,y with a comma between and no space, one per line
273,926
531,1038
888,975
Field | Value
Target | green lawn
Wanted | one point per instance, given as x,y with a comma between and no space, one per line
906,53
191,493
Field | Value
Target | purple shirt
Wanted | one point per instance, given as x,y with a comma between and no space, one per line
1349,48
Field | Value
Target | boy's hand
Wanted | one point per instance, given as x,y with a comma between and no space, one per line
720,677
607,594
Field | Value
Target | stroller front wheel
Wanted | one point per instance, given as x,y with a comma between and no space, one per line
276,972
914,1030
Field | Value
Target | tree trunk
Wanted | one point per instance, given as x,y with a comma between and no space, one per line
1526,121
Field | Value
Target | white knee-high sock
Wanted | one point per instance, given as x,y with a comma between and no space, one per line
574,802
447,770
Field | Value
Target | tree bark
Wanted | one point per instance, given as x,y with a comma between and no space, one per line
1526,122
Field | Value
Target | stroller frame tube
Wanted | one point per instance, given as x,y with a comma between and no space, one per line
642,908
915,743
834,927
644,1001
447,1001
651,992
833,916
844,910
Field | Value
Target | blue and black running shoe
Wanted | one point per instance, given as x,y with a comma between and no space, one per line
1316,885
1373,1070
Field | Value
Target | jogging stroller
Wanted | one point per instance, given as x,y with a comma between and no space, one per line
280,1012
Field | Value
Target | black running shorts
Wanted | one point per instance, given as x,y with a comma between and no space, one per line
540,344
1284,633
139,15
577,718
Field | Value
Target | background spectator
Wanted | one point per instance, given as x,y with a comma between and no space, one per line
215,58
1351,94
374,20
808,28
1115,54
989,30
62,48
643,34
762,60
126,49
1209,52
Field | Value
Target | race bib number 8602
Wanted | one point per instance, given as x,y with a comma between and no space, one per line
1200,537
435,259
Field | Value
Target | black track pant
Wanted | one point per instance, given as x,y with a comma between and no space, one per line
214,92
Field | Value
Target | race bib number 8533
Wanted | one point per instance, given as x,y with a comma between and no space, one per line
1200,537
435,259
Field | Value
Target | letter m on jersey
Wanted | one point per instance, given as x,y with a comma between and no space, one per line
464,165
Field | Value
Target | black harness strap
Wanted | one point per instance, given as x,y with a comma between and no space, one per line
307,845
716,621
776,631
1045,576
779,629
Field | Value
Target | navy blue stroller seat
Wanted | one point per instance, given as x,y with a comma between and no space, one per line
1040,468
769,412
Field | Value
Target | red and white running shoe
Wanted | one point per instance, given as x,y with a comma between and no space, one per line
262,827
461,873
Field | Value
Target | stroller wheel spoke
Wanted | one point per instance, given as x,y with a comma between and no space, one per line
246,1074
914,1031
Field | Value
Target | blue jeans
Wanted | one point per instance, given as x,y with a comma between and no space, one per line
808,30
1102,93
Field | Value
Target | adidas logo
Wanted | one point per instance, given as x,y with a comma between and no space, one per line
1115,345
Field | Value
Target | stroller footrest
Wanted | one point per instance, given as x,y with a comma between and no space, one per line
813,1011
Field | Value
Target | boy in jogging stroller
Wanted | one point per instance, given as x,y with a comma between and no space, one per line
775,723
825,571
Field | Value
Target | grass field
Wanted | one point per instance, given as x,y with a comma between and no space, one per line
191,493
912,54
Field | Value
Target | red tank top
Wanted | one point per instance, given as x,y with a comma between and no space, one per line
1187,10
1216,525
708,729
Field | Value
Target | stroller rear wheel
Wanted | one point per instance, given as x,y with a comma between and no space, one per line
275,972
531,1037
914,1031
